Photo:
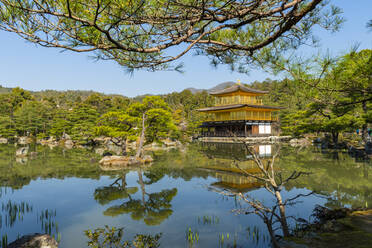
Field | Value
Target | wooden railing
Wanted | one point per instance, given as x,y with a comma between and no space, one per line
232,117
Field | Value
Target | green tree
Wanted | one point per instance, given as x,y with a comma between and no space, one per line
320,113
321,118
33,118
184,105
155,119
11,101
330,94
83,118
60,123
7,127
119,126
353,72
120,103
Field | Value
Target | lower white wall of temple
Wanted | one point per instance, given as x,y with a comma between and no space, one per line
264,128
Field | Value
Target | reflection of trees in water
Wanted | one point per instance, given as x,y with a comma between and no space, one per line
343,181
56,163
152,208
336,175
274,216
117,190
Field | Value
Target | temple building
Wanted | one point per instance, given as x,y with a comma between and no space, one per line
239,112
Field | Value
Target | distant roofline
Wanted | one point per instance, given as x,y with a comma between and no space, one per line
235,106
237,87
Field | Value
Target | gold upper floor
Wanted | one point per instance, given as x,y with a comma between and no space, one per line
237,99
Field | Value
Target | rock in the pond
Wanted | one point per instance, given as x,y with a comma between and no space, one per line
51,142
3,141
168,142
24,140
65,136
290,244
21,160
115,161
299,142
22,152
99,150
33,154
115,149
147,159
132,145
69,144
156,147
107,153
34,241
119,162
99,140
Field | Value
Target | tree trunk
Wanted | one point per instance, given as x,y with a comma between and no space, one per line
124,147
140,181
271,233
335,137
364,127
283,218
139,151
124,180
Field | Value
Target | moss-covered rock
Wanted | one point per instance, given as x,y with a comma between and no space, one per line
353,230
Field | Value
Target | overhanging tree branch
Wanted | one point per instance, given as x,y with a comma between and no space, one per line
140,34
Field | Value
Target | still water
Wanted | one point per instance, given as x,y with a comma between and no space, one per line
64,192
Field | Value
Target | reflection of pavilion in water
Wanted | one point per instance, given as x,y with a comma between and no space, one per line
222,165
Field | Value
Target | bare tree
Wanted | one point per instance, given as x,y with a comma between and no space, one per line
141,34
273,182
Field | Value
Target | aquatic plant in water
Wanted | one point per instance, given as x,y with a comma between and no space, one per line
192,237
112,237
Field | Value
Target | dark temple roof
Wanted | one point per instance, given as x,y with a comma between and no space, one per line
235,106
237,87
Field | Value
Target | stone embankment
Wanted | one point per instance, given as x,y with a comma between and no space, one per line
252,140
113,151
102,144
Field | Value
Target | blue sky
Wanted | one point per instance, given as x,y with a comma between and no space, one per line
36,68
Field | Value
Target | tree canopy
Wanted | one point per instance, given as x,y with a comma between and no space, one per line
338,96
143,34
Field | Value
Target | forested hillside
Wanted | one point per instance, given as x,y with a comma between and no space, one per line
337,101
86,114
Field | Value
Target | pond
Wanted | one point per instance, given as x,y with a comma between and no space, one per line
64,192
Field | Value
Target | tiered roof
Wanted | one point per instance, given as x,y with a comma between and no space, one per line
235,106
238,87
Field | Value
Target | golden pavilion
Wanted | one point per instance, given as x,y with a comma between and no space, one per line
239,112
